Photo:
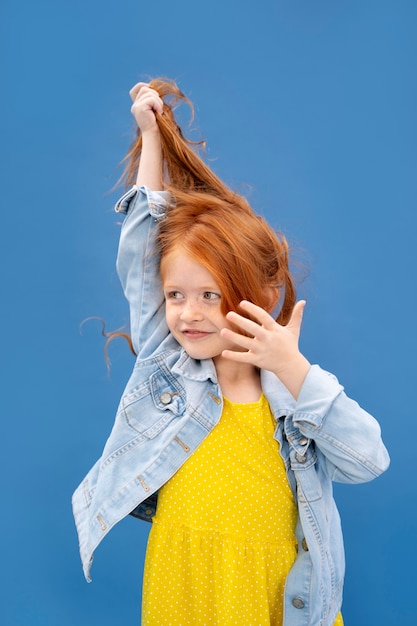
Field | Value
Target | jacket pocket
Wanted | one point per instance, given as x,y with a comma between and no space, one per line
150,407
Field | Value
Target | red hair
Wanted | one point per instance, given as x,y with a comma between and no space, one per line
214,225
246,257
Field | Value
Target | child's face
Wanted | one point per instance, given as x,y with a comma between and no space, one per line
193,311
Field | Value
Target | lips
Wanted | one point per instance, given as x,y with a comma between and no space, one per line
194,334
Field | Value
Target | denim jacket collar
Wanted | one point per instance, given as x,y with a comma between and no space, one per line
198,370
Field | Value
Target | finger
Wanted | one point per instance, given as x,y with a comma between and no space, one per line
240,357
262,316
263,319
148,101
297,315
244,324
236,338
135,90
142,91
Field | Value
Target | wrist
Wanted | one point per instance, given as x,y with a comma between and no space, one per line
150,171
151,133
293,373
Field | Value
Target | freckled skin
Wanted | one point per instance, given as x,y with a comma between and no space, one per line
193,306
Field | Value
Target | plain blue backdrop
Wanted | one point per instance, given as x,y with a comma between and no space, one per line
309,107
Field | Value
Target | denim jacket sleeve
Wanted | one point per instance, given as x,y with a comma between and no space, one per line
347,438
138,267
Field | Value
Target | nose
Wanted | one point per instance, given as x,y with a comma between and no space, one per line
191,312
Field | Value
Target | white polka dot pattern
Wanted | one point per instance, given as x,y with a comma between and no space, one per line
222,541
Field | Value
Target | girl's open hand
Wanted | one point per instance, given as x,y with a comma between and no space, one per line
270,346
146,102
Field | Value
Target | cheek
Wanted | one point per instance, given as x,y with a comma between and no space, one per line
169,317
223,322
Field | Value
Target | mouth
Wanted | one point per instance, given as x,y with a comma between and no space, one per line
194,334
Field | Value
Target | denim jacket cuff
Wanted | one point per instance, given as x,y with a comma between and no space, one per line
157,201
318,393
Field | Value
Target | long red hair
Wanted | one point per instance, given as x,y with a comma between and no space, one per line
215,225
248,260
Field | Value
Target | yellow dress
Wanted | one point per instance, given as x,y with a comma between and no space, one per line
223,539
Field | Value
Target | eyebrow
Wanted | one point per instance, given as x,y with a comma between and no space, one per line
200,288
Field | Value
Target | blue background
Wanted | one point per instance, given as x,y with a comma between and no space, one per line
309,107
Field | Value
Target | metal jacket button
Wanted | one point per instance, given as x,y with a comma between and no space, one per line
303,441
298,603
301,458
165,397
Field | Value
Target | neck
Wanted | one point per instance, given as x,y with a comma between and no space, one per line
239,382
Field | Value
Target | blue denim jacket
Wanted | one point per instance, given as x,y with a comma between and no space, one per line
172,402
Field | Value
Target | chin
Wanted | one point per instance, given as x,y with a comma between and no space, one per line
199,355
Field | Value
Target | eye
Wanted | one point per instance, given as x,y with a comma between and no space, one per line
173,295
211,295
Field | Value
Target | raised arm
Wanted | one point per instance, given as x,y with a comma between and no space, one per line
146,105
137,260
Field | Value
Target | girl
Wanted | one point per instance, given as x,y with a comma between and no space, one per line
226,438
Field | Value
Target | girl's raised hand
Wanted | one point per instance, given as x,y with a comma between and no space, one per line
269,345
146,102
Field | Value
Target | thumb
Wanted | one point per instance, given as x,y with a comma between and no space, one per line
297,315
